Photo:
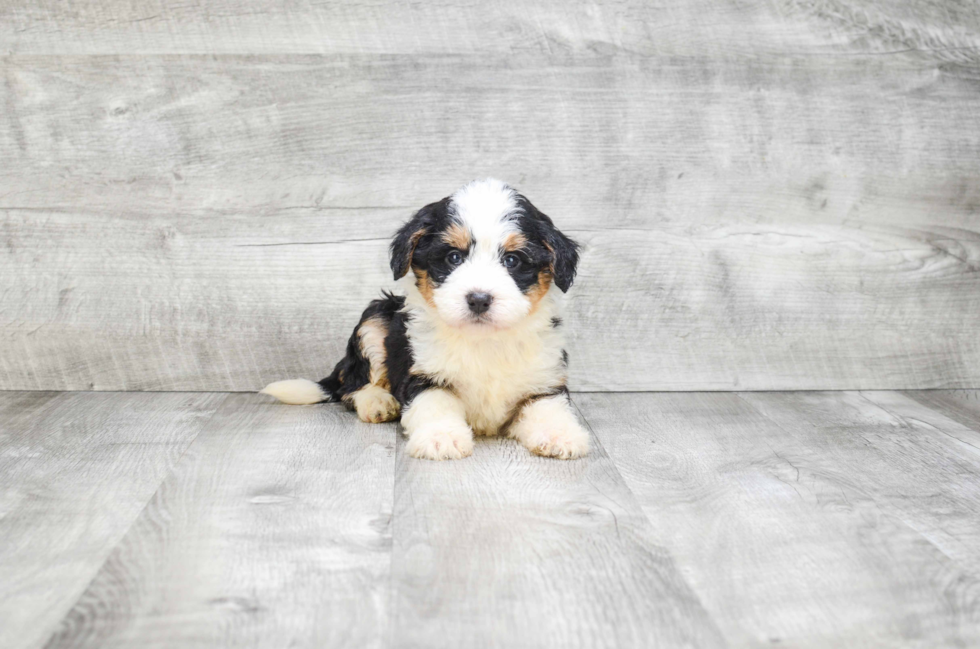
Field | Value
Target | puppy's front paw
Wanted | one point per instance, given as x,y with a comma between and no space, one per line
441,441
565,440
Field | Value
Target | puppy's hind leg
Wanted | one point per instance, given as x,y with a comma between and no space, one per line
374,404
373,401
360,379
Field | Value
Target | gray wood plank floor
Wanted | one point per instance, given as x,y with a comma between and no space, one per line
804,519
76,469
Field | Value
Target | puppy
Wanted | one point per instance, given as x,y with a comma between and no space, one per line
476,344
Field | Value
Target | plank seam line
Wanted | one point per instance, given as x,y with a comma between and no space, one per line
612,463
927,407
136,518
912,527
646,535
946,410
889,514
309,243
392,598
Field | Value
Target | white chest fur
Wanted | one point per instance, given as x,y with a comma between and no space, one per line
490,371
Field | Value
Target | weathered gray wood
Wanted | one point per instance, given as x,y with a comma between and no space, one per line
962,406
625,141
273,530
923,468
199,303
923,408
697,27
75,471
505,549
774,194
762,307
822,526
807,519
195,303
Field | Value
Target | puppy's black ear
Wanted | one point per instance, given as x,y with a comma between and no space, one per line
564,251
403,245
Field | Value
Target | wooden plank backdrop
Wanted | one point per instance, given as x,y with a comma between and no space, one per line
772,194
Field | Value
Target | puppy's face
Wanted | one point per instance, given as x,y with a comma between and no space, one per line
483,257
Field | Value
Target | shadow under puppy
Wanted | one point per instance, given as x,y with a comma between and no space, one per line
476,345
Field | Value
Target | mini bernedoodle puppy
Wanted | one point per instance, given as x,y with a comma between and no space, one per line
476,345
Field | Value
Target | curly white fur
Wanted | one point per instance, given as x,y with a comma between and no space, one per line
490,370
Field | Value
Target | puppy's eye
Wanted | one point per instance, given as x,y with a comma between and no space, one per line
454,258
511,260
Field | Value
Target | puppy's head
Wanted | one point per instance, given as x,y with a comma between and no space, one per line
483,257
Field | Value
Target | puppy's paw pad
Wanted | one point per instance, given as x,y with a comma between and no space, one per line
564,444
441,442
375,405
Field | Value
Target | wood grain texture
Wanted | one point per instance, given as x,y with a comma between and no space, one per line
924,468
273,530
75,472
806,519
917,406
506,549
701,519
773,194
949,27
619,141
215,300
962,406
219,302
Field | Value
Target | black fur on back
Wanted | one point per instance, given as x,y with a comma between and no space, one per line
353,371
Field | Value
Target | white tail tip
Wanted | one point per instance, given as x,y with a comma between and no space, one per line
297,392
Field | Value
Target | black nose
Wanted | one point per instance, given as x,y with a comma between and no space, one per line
479,302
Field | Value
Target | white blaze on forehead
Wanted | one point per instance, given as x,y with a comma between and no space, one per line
486,207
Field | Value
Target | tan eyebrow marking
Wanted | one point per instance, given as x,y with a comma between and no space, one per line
514,241
457,236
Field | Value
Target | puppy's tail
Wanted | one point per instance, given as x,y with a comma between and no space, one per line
297,392
301,392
